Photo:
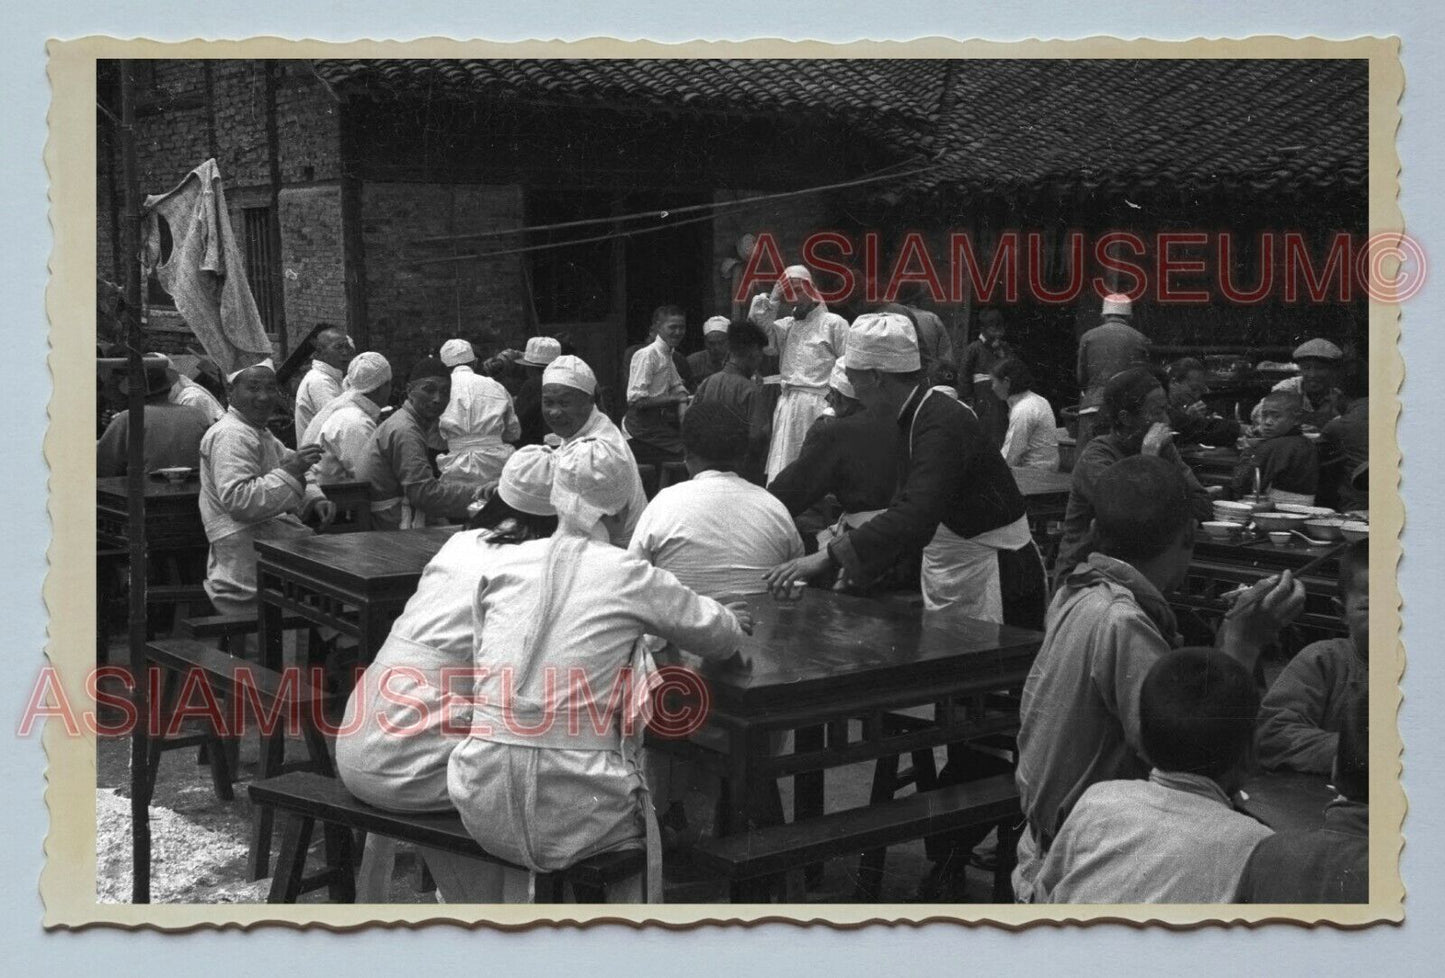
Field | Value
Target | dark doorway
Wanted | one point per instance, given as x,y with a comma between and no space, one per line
666,266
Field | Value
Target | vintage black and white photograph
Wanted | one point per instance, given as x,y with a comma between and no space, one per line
916,481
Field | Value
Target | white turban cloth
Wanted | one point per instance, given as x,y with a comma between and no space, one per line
268,363
883,341
838,379
526,483
717,324
570,371
457,352
366,373
587,486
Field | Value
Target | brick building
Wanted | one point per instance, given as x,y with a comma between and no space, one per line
353,184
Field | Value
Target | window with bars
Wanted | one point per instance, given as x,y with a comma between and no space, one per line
261,264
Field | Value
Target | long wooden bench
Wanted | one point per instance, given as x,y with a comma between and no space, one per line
186,661
226,626
304,799
755,860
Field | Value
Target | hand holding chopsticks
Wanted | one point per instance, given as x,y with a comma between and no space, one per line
1257,615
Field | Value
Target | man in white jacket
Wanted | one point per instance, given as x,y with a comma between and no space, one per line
477,424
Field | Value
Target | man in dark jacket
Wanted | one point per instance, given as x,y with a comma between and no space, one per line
956,498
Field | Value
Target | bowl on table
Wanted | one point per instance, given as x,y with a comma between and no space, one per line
1271,522
1226,511
1324,530
1280,538
1222,529
1355,532
175,474
1260,504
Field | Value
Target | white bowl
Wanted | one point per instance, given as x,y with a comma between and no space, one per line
175,473
1231,512
1355,532
1222,529
1311,511
1280,538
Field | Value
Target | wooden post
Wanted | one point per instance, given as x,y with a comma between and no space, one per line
135,494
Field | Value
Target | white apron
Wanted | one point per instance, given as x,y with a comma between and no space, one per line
962,574
798,408
474,461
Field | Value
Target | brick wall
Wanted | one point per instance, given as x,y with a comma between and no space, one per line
312,270
412,309
789,221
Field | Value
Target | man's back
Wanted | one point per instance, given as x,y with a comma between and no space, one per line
1329,865
1104,351
717,533
173,434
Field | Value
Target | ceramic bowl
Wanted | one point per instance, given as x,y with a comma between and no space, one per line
1280,538
1327,530
175,474
1230,512
1222,529
1355,532
1279,521
1260,504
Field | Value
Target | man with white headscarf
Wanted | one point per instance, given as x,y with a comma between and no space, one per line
322,382
808,339
478,422
252,489
344,427
569,389
714,354
551,772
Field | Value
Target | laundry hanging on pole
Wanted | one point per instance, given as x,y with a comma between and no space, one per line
203,269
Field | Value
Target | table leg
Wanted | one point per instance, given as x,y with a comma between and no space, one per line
273,745
808,793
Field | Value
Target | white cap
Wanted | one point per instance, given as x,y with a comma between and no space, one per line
716,324
570,371
267,363
540,351
526,482
1318,349
456,352
1118,304
838,379
798,273
366,372
590,483
883,341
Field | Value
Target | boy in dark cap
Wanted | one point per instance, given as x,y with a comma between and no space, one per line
405,490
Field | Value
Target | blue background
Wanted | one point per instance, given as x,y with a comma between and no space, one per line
25,244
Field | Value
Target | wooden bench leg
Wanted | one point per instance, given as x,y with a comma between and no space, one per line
378,858
291,861
339,859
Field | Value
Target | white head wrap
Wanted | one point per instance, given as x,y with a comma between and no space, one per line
838,379
267,363
570,371
1320,349
526,483
588,484
716,324
798,273
883,341
457,352
1117,304
540,351
366,372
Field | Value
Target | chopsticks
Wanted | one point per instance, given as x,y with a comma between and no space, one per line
1297,572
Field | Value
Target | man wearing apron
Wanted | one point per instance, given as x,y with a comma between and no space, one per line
956,499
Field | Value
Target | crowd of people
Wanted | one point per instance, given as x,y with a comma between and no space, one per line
874,461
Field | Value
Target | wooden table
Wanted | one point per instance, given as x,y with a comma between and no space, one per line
173,514
356,583
832,658
1046,498
1038,484
1286,800
1212,466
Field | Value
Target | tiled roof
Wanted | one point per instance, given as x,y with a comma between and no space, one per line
1004,124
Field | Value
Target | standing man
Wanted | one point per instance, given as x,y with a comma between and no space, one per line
569,396
477,424
975,381
956,499
709,360
540,351
808,338
323,381
252,489
655,389
1108,348
405,490
737,387
344,428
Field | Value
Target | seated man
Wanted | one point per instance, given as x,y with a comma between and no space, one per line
1303,712
1107,625
717,533
540,351
737,386
478,423
405,490
1135,422
1320,365
654,391
251,489
1188,414
1287,463
322,383
569,405
1176,837
344,427
1332,863
714,354
173,431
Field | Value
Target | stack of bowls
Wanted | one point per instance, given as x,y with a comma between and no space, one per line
1230,512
